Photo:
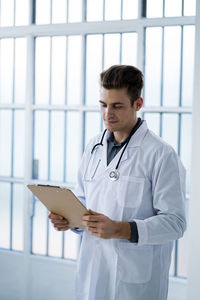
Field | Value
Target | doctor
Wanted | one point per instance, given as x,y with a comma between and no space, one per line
133,183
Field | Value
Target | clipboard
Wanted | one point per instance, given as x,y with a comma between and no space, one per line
61,201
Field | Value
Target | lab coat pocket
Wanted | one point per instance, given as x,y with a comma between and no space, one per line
134,262
130,191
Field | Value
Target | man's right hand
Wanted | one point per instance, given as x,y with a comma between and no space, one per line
59,223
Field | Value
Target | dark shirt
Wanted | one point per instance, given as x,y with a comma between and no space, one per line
112,149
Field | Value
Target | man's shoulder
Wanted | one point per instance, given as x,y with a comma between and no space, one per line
156,144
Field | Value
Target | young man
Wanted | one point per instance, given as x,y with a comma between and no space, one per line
133,184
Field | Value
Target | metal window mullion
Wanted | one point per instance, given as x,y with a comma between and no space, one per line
14,21
84,10
104,9
120,45
163,8
51,12
11,216
122,9
181,69
162,67
183,3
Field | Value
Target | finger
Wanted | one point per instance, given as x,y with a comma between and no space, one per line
55,216
93,212
60,222
91,218
62,228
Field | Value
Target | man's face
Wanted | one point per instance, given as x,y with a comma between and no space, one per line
116,109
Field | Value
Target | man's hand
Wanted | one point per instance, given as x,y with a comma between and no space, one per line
59,223
101,226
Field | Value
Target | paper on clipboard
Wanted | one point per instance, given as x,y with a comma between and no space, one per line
61,201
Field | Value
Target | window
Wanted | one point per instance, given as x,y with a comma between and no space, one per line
49,94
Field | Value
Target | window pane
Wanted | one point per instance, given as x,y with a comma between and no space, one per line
92,125
153,122
73,152
57,146
59,11
111,50
6,70
172,51
5,214
5,142
20,70
170,129
129,49
7,13
93,68
42,70
172,10
43,11
154,8
72,241
153,66
130,9
74,70
75,10
19,143
188,65
183,250
185,152
94,10
58,69
55,242
39,235
189,7
18,217
112,9
21,12
41,143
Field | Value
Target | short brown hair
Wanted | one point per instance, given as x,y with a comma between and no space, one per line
123,76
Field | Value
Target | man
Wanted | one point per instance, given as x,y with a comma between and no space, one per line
133,185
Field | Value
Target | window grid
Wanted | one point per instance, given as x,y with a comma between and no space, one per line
140,29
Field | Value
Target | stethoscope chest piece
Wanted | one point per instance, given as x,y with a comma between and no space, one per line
114,175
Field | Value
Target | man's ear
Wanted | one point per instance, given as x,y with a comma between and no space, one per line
138,103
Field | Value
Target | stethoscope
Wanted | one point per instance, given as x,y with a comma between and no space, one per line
113,175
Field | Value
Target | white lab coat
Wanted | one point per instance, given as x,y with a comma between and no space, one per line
150,191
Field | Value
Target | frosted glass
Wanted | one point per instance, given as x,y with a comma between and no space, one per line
72,242
93,68
170,129
58,83
18,218
189,7
42,70
22,12
185,152
154,8
55,242
41,143
153,66
94,10
5,142
43,11
188,65
6,70
172,8
75,10
129,49
73,149
172,52
57,146
7,13
111,50
92,125
20,70
19,143
39,235
59,11
5,215
153,122
74,70
130,9
112,9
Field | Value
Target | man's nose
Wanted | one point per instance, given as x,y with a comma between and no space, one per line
109,111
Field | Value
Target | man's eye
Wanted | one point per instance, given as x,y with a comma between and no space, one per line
118,106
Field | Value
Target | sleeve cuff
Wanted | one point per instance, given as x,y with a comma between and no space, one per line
134,232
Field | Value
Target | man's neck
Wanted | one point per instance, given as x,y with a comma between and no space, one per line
120,136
